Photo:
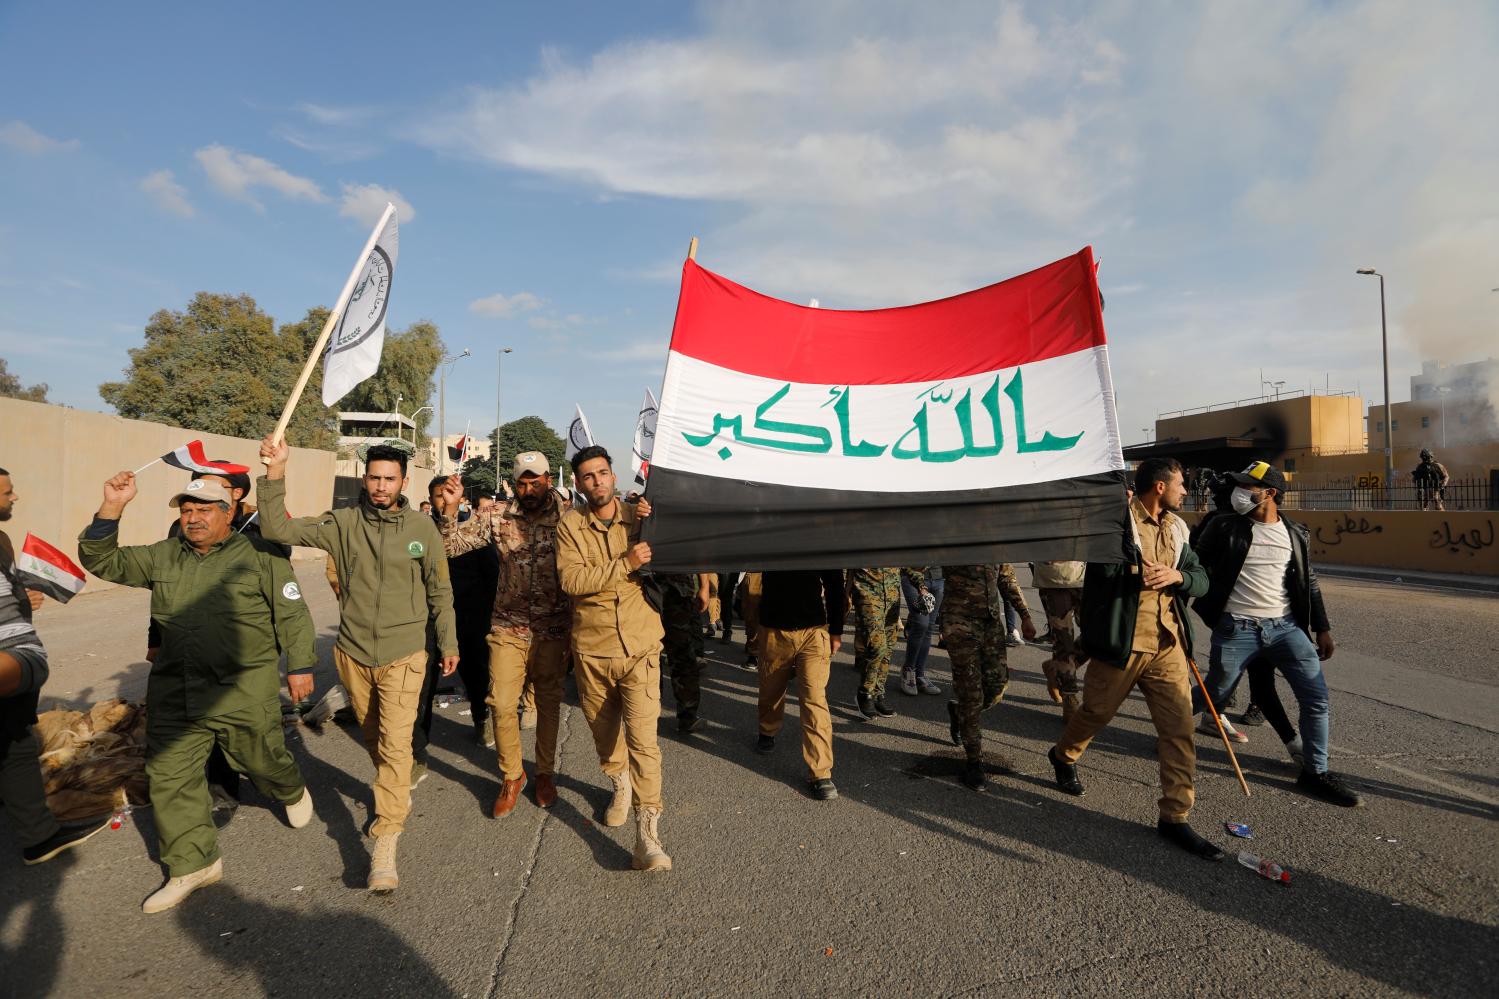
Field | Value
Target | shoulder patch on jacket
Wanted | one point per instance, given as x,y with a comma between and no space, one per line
416,549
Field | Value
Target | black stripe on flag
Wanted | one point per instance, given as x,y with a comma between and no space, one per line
702,522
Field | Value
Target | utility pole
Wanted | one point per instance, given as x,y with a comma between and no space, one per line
1389,424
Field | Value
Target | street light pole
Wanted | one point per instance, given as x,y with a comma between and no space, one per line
1389,424
499,373
442,404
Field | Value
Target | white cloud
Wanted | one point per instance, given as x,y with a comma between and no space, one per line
365,203
322,114
170,196
505,306
237,174
21,136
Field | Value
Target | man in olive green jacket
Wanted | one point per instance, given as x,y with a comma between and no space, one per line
227,606
392,580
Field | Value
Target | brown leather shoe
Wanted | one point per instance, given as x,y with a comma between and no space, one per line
546,791
509,793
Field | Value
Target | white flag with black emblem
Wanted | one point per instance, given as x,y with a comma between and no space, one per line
578,434
645,440
354,348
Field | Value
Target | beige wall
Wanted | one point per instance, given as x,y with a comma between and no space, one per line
1316,424
59,458
1402,539
1367,469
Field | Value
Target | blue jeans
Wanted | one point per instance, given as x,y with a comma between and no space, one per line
1236,640
919,625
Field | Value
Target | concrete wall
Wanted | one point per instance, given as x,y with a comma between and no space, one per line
1402,539
58,459
1313,424
1367,468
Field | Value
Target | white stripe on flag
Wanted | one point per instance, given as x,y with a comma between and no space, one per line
769,430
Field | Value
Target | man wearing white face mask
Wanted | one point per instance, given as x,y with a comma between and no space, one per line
1263,599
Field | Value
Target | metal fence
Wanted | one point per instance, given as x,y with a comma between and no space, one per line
1459,494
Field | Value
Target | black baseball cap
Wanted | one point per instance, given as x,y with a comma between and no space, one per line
1261,473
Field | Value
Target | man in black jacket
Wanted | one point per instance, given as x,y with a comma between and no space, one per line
1263,599
801,627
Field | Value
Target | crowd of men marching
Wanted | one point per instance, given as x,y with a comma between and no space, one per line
514,594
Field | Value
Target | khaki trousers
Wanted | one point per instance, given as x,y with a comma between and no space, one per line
625,693
386,700
810,652
516,662
1162,679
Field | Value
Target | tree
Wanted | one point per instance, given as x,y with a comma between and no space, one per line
10,386
222,367
407,363
529,433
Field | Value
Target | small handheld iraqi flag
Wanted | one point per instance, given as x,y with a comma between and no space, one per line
47,570
190,457
458,451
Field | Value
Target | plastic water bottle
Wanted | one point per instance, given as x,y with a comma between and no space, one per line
1265,868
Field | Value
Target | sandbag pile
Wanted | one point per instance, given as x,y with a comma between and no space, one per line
94,762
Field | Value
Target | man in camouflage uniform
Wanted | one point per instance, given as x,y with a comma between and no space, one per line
684,597
876,600
1061,588
973,625
528,632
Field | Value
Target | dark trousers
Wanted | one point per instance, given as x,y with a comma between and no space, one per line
726,581
473,670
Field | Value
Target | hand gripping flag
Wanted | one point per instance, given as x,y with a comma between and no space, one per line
972,430
190,457
645,440
354,347
47,570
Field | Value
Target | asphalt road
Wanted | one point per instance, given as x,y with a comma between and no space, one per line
909,884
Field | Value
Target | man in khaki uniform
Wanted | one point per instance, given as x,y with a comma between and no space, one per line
801,629
617,639
1135,630
393,579
528,633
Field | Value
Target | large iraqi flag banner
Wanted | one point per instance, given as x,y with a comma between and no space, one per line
975,429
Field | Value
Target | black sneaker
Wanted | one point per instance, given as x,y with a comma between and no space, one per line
1252,716
62,840
823,788
765,744
687,722
954,730
866,705
973,774
1185,837
1066,774
884,709
1330,788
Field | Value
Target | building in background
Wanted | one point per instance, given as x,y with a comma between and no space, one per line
477,448
1450,405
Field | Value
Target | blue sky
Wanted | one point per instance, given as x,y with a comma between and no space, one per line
1231,164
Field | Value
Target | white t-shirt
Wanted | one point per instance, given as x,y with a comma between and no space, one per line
1261,587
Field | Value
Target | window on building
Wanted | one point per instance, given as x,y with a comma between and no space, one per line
1379,427
1462,418
1290,465
1394,424
1425,422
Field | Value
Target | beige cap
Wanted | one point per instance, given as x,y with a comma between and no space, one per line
533,462
203,491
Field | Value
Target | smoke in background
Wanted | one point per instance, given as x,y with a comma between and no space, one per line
1453,317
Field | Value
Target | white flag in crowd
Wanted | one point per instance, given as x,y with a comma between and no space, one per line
578,434
354,348
645,439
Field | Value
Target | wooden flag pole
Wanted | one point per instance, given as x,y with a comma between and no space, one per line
1208,700
692,249
328,327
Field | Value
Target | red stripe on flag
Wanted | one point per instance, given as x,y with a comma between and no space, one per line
37,548
196,453
1049,312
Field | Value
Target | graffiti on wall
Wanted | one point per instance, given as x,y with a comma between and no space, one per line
1460,542
1331,536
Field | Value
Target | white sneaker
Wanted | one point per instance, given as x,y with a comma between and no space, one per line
299,813
1206,727
177,889
1014,638
926,686
1295,751
908,682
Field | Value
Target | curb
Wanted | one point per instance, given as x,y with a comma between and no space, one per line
1401,577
